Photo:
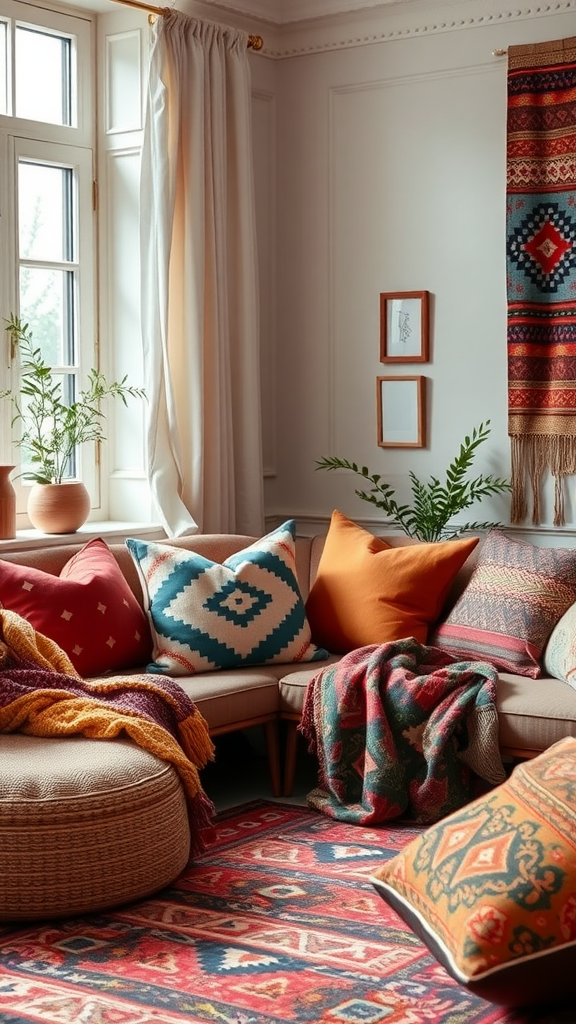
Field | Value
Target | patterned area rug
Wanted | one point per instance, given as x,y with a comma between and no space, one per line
276,922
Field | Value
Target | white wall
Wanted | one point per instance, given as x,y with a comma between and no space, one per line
390,161
379,143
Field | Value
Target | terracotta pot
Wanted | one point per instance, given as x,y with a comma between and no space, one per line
7,504
58,508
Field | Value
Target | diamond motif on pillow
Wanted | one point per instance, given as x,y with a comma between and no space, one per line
205,615
239,603
491,888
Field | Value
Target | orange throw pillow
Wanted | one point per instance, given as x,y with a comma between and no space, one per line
367,592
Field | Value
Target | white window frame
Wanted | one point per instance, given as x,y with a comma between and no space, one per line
80,162
64,145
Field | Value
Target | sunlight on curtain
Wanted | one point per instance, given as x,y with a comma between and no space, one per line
199,281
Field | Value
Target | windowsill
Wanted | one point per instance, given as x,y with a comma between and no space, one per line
111,532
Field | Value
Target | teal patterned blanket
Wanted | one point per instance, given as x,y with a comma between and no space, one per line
401,730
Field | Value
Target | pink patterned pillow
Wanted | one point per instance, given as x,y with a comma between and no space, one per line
514,598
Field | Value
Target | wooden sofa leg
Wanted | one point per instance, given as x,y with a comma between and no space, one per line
290,759
273,748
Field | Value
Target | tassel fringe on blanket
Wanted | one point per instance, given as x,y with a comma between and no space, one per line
41,694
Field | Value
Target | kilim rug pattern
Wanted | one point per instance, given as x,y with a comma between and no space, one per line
275,923
541,270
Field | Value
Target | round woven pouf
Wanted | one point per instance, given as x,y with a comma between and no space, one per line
85,825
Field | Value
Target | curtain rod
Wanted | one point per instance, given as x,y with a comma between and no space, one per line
254,42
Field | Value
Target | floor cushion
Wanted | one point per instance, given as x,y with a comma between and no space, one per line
85,825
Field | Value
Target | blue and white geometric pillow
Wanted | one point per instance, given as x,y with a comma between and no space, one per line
203,615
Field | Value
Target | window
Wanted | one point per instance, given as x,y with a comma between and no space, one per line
47,234
52,53
53,283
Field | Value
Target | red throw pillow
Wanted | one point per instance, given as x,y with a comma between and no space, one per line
89,610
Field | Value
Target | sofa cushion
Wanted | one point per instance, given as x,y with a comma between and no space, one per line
233,695
533,713
491,889
367,592
88,610
514,598
206,615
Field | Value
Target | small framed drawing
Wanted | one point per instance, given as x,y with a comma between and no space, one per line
404,330
401,407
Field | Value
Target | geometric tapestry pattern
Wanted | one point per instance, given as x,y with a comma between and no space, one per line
543,245
541,273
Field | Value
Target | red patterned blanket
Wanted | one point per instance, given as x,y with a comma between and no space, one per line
396,728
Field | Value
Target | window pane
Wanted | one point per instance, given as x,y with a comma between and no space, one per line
44,212
47,305
3,67
52,100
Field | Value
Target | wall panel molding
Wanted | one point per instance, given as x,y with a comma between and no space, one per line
123,78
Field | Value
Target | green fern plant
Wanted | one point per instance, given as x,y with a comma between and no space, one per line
434,503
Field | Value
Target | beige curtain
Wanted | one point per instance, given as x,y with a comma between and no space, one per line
199,281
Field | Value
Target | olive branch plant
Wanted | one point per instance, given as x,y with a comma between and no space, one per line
434,503
50,428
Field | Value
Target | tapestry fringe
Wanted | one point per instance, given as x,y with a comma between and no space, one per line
531,456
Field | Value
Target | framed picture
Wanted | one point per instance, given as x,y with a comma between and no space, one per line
404,320
401,407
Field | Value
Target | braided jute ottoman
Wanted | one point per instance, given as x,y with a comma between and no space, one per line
85,825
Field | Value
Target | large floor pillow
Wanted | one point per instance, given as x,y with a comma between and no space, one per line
491,889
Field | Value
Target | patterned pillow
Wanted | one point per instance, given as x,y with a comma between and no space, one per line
491,889
560,653
88,610
247,611
514,598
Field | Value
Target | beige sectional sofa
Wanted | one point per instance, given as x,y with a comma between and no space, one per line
89,823
533,713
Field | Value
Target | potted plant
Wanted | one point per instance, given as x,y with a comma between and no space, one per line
434,503
51,430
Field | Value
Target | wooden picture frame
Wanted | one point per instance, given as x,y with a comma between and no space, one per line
404,327
401,410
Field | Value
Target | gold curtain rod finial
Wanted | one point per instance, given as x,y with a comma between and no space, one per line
254,42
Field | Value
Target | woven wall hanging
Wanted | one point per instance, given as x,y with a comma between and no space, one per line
541,271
